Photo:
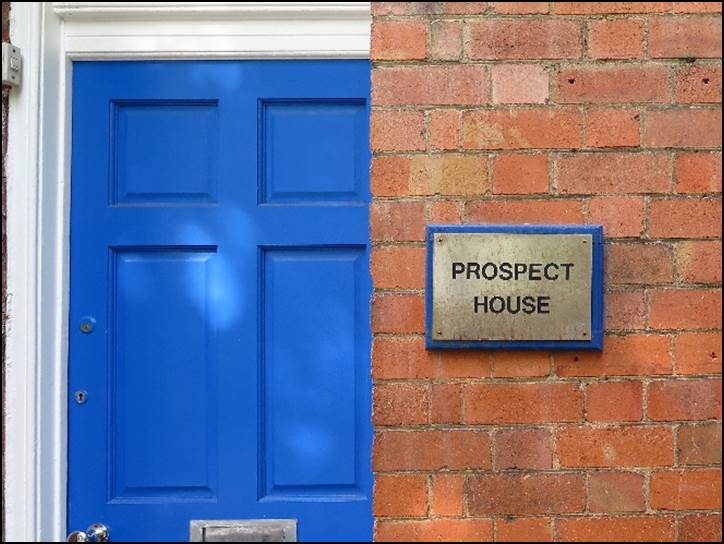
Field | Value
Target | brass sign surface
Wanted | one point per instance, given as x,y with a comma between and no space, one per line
510,286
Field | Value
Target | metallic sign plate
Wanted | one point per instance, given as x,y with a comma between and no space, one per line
246,530
511,286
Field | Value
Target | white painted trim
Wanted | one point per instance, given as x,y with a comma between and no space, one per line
51,36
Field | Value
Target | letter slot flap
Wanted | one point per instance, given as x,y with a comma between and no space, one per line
249,530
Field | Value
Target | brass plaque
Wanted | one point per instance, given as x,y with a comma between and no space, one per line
511,286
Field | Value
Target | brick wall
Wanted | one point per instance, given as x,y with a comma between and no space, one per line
556,112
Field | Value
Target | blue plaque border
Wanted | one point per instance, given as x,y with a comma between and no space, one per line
597,298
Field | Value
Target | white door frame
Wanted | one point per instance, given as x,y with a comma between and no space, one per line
51,35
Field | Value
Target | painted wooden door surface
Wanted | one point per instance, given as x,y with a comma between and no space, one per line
219,257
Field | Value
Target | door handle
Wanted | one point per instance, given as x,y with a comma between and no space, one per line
94,533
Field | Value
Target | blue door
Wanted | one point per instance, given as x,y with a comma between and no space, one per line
219,321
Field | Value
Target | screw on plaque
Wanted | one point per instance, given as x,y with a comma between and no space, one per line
87,324
81,397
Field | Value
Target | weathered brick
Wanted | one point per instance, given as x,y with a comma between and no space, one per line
449,84
683,128
697,7
522,39
700,444
523,530
400,495
625,310
445,129
397,221
398,40
685,218
398,267
615,39
390,175
700,83
624,529
448,495
698,172
466,8
685,309
448,174
686,489
397,131
509,494
698,353
684,37
519,84
431,450
613,173
620,216
520,8
612,84
675,400
699,262
616,492
525,211
636,264
520,174
446,403
534,128
631,355
446,40
594,8
612,128
400,404
615,401
401,314
522,403
701,527
519,364
444,211
523,449
615,447
435,530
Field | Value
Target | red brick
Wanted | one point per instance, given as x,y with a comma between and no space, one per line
683,128
628,529
466,8
697,7
684,37
525,211
699,262
520,364
519,84
446,40
700,83
444,211
401,314
593,8
620,216
685,218
528,493
686,489
446,403
632,355
400,404
448,495
701,527
615,401
698,353
520,8
522,403
675,400
636,263
616,492
520,174
435,530
611,173
448,174
431,450
698,172
616,447
523,530
523,449
685,309
625,310
390,176
400,496
461,84
700,444
615,39
445,129
408,8
612,84
522,39
535,128
397,131
398,40
397,221
612,128
398,267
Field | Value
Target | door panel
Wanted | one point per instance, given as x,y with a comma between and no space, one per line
219,244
